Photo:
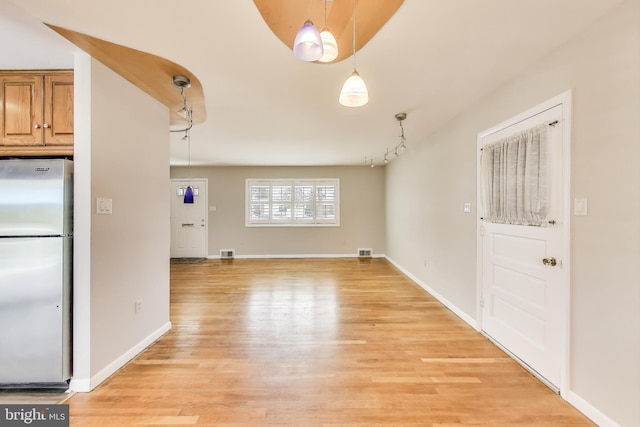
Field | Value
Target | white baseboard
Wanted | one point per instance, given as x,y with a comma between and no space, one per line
461,314
293,256
80,385
593,413
84,385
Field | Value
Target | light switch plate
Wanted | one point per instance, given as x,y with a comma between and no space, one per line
580,206
104,206
467,207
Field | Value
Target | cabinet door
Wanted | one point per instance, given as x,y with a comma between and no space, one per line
21,110
58,109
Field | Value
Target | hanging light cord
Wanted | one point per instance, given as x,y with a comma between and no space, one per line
189,154
354,35
325,14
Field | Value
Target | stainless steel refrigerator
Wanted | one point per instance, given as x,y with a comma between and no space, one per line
36,239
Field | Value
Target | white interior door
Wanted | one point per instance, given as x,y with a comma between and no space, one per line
522,278
189,220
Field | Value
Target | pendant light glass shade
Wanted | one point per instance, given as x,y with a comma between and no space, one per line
330,46
188,195
308,44
354,92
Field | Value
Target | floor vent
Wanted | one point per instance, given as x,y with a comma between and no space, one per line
226,253
365,252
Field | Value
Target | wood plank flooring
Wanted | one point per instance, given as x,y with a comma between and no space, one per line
316,342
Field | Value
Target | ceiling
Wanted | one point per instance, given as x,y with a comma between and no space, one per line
433,59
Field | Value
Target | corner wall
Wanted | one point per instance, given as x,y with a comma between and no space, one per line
124,157
362,212
427,187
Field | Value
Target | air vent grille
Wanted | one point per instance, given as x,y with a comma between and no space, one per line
365,252
227,253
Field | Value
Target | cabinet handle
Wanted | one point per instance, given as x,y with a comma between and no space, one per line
46,126
36,126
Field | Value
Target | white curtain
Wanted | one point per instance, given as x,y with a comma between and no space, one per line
515,184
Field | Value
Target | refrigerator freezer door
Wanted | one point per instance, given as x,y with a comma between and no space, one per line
34,310
36,197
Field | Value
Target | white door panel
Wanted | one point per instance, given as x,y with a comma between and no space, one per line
523,299
189,220
522,296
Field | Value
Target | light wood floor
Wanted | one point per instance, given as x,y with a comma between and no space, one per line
322,342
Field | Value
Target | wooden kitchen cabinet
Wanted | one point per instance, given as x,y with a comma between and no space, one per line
36,113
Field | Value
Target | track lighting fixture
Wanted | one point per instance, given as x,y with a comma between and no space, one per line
182,83
400,117
397,149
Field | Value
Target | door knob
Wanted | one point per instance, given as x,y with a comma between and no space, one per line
550,261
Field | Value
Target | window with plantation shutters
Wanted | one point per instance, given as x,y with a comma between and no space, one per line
292,202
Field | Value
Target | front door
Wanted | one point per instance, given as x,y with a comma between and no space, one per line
522,270
188,220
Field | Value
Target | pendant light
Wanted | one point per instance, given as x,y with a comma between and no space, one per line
182,83
354,92
329,43
188,195
308,43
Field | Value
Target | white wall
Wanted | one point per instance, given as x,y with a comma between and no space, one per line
82,224
362,212
427,187
124,137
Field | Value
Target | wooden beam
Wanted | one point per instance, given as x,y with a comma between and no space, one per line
151,73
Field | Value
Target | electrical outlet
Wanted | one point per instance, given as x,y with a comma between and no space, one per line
138,306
